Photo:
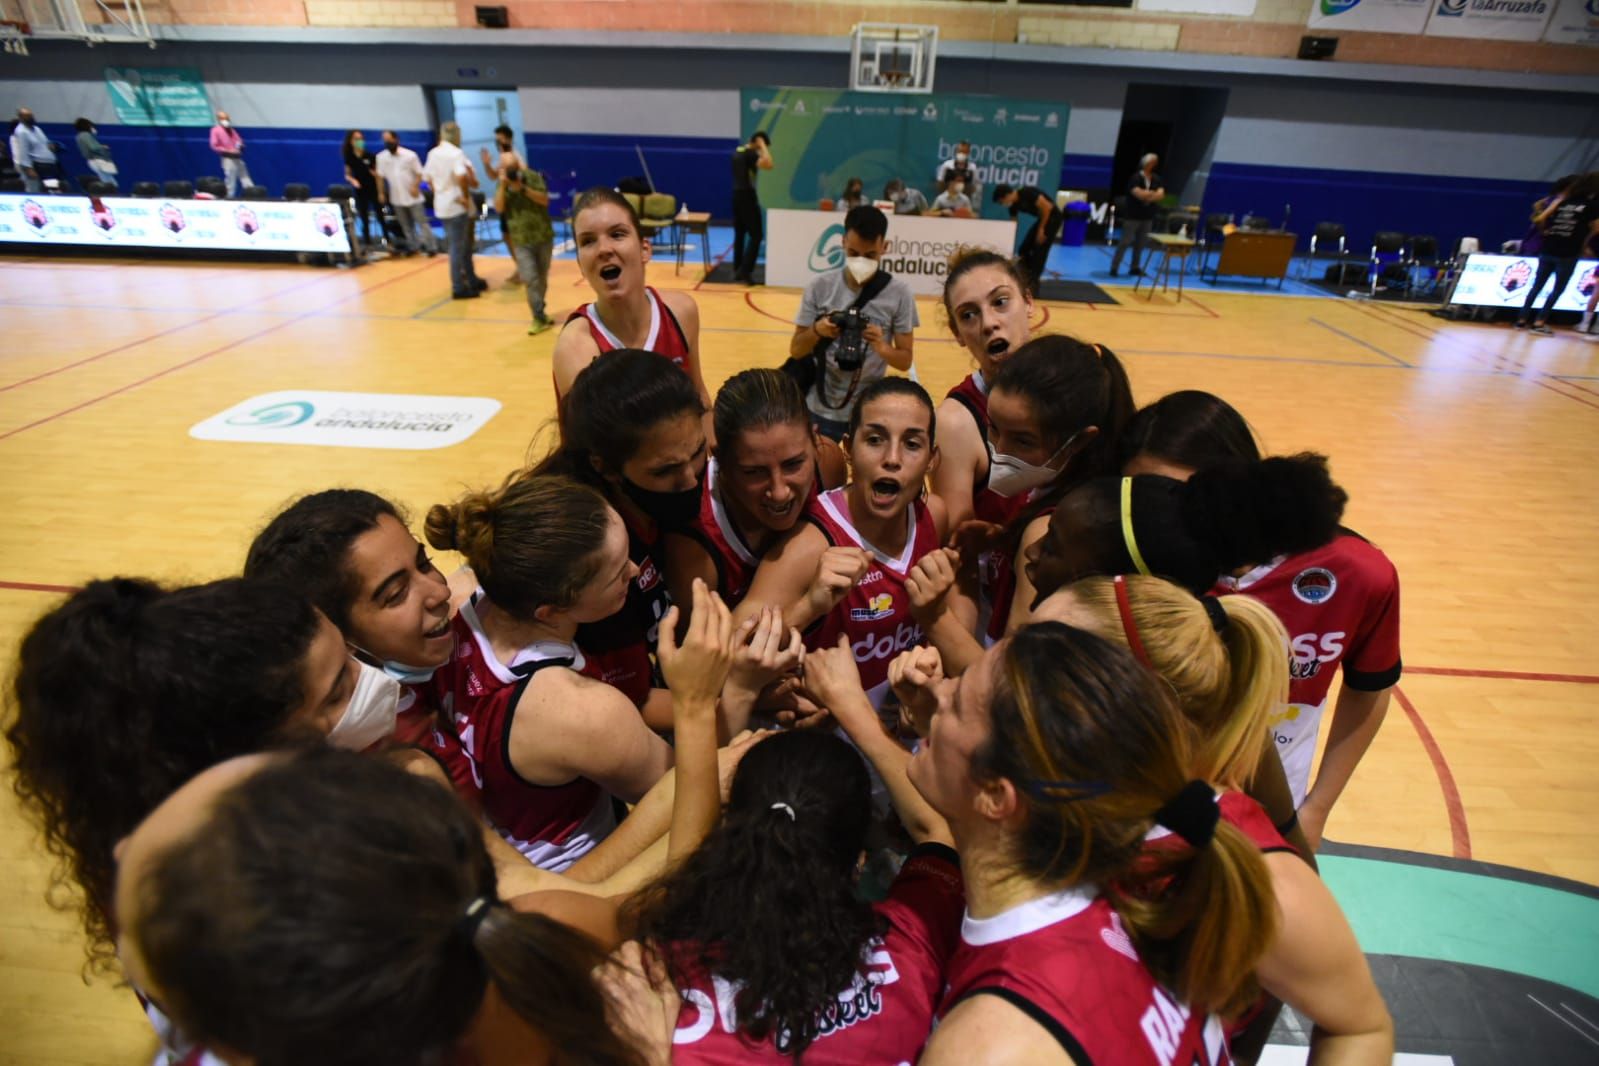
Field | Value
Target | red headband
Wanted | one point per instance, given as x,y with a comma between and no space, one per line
1129,627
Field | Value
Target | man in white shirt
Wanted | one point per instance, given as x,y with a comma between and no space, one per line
400,186
452,177
32,153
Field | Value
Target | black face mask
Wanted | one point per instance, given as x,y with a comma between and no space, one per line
670,510
393,146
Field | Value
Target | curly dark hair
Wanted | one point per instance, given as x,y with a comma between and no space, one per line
768,901
318,917
126,691
307,547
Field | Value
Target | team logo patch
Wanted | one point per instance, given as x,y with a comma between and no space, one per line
1516,275
1315,585
879,606
648,576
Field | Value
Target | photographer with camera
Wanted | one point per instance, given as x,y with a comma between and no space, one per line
853,324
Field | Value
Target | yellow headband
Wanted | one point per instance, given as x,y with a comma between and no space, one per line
1127,528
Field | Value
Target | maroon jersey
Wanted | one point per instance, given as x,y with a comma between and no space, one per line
876,613
617,649
996,571
987,505
1066,962
665,338
886,1013
553,826
418,726
715,531
1340,605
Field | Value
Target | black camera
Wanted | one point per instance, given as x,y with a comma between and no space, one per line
850,346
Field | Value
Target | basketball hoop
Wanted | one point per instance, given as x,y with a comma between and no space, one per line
13,37
892,57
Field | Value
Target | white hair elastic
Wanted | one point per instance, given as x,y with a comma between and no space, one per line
785,808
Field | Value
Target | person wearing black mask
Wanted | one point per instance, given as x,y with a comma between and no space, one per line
633,427
400,187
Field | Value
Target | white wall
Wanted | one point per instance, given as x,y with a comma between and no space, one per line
658,112
279,105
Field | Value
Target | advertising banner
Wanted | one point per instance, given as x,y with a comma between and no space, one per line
823,137
1502,281
350,420
126,222
802,244
159,96
1377,16
1498,20
1574,22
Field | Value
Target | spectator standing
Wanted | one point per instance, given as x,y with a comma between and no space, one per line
494,169
1567,221
960,166
748,228
907,200
229,147
32,153
522,199
1145,190
360,172
1034,250
453,181
953,200
400,187
97,155
844,369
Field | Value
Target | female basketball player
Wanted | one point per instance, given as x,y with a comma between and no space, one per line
989,305
626,313
776,956
1222,657
330,909
632,428
846,565
1053,759
767,468
1338,595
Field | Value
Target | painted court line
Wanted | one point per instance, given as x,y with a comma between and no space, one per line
1356,340
1503,675
1459,831
29,586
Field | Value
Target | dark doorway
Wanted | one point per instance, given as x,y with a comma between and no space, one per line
1179,123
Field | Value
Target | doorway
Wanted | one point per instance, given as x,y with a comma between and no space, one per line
478,112
1179,123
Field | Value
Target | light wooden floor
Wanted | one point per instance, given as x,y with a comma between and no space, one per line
1469,452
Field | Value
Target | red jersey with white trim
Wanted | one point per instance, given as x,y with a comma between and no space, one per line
617,649
987,505
1340,605
418,725
996,571
715,531
886,1013
665,338
1066,962
876,613
553,826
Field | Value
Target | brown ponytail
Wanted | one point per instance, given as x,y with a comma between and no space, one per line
532,542
1094,743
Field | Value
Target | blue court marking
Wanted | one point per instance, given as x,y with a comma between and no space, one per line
1364,344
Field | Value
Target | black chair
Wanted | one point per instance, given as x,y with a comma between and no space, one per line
255,192
1387,249
213,186
13,185
147,190
1424,255
178,190
341,192
95,187
1328,243
296,191
1212,233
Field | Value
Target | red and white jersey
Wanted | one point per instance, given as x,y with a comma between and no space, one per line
418,725
617,649
666,336
876,613
715,531
886,1013
553,826
996,571
1340,605
1066,962
987,505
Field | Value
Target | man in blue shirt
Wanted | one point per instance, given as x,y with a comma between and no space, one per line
32,153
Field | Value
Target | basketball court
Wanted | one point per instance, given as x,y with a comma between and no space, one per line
1465,850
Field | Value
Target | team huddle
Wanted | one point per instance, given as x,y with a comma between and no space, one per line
983,736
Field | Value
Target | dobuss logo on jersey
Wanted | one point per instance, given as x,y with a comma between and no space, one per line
350,420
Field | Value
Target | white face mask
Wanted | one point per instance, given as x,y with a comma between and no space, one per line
370,716
1009,476
956,189
960,157
226,124
860,268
